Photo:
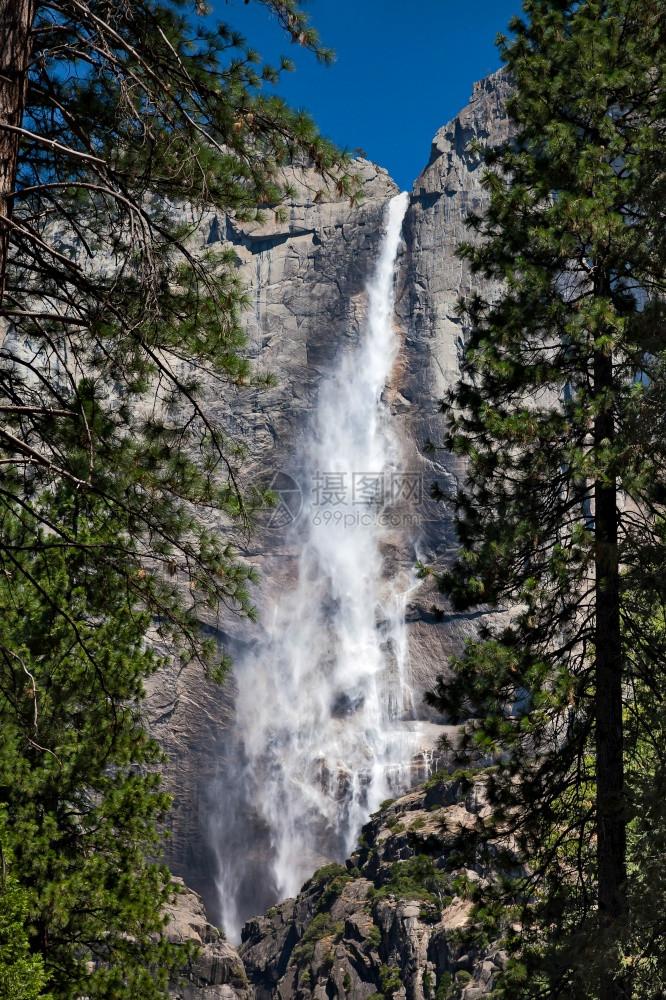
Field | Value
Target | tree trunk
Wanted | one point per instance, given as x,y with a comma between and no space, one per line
16,19
611,831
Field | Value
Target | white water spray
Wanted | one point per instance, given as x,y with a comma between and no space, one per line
323,702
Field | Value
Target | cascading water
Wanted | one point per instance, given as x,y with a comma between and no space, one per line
324,698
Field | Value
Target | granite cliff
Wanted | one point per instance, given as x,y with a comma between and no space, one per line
307,274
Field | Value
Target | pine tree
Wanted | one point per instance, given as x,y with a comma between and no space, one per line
559,522
118,126
22,975
79,776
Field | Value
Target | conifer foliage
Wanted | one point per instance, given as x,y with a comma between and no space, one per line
79,776
120,123
560,415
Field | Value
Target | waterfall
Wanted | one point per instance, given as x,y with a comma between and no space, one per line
324,699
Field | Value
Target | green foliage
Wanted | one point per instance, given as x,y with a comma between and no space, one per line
487,922
331,880
328,961
321,926
78,773
464,775
643,949
415,878
428,984
558,416
375,936
461,886
119,487
444,986
327,874
22,975
451,987
436,778
347,982
431,914
390,980
158,117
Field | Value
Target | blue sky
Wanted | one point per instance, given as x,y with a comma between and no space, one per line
402,71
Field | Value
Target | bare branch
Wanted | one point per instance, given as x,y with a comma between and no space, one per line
56,317
52,144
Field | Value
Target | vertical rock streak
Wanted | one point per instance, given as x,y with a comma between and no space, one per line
323,701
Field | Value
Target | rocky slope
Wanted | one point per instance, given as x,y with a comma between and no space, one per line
392,922
389,923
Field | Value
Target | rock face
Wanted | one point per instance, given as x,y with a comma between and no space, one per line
432,280
218,972
306,276
392,921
